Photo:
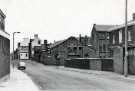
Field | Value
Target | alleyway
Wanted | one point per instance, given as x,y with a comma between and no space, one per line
54,78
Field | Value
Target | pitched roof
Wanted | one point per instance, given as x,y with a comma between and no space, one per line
56,43
1,13
60,42
102,27
132,22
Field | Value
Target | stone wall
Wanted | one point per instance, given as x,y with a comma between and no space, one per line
118,59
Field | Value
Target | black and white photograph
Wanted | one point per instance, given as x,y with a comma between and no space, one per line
67,45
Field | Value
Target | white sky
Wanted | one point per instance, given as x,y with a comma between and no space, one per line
59,19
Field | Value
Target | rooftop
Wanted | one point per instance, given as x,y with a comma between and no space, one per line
132,22
103,27
60,42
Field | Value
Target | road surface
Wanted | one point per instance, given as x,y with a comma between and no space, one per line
54,78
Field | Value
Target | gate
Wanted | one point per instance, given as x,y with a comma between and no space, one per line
107,64
131,60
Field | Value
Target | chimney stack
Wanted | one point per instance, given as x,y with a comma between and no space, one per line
45,42
35,36
80,38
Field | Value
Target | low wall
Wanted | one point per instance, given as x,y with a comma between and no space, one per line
105,64
77,63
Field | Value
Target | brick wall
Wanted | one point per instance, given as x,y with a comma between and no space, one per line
4,56
95,64
90,63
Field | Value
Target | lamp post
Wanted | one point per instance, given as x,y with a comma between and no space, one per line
13,43
126,43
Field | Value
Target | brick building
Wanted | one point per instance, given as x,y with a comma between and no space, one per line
4,48
71,48
59,50
100,40
45,56
117,40
35,42
23,48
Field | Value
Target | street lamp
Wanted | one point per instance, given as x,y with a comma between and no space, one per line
13,43
126,43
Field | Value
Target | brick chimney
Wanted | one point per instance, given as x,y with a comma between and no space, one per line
80,38
133,16
45,42
35,36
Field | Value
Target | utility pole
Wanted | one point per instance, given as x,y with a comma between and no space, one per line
126,42
13,43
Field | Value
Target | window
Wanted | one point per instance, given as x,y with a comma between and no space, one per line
86,55
104,48
74,49
120,36
129,35
39,42
108,37
69,49
80,48
113,39
26,55
100,48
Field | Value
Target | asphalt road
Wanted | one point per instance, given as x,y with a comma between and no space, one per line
53,78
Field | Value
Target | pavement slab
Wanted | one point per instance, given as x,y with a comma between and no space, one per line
18,81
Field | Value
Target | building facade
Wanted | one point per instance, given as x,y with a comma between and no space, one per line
23,48
4,48
59,50
117,41
35,42
100,40
71,47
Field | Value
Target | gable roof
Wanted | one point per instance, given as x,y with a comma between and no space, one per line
102,27
2,14
56,43
60,42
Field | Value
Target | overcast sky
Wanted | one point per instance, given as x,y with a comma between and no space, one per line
59,19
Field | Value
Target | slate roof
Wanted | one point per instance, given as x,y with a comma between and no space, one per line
56,43
103,27
60,42
130,23
1,13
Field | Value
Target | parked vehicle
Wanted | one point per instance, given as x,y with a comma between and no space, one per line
21,66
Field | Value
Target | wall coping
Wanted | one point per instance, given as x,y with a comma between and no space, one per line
94,58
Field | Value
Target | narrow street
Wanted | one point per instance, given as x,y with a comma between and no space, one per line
55,78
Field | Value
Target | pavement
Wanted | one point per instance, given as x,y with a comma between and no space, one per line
18,81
